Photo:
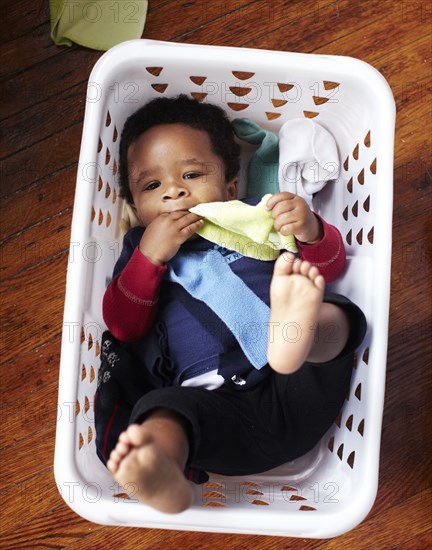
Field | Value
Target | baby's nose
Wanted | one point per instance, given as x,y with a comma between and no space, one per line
175,191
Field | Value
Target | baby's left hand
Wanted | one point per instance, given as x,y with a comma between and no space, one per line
292,216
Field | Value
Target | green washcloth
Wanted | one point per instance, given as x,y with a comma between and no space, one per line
99,25
246,229
264,164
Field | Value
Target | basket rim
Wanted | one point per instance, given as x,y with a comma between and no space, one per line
345,65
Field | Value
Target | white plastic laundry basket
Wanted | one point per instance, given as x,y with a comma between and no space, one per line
330,490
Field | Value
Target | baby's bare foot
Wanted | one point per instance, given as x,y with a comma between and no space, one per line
296,294
141,466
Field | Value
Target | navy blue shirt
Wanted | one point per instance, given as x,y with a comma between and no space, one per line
198,340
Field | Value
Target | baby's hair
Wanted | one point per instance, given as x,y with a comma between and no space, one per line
181,110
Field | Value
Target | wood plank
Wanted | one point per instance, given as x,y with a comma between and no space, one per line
22,470
305,30
24,328
237,27
26,249
26,51
121,536
29,413
38,495
413,255
403,436
361,40
390,530
171,540
41,159
44,361
43,120
331,21
420,541
20,371
413,159
176,24
156,539
46,198
20,17
56,525
60,72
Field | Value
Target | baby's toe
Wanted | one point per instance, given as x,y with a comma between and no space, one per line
284,264
137,435
122,448
304,268
112,464
124,438
313,273
115,456
319,282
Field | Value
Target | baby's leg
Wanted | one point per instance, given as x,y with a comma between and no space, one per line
300,323
149,459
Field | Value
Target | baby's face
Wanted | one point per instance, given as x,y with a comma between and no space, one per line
173,167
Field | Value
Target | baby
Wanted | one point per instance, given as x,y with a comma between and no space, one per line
211,410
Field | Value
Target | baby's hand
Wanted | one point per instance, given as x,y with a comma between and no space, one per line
292,216
166,233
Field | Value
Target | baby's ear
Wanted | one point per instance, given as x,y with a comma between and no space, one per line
129,216
232,188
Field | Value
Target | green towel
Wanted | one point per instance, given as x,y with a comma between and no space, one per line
99,25
264,164
246,229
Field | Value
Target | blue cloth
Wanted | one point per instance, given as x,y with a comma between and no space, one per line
234,303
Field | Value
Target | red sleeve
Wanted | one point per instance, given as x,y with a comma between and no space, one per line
130,302
328,254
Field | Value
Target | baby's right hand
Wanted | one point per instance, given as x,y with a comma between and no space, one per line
166,233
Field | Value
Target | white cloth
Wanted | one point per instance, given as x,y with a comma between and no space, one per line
308,158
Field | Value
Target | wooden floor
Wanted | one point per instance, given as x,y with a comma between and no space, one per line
42,108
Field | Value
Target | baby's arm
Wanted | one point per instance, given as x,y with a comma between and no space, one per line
130,301
319,242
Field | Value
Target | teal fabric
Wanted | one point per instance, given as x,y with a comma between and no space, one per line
264,164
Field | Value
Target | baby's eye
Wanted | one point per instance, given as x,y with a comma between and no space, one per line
151,186
192,175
